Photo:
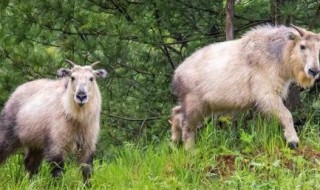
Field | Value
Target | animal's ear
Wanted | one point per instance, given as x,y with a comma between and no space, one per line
301,31
292,36
101,73
63,72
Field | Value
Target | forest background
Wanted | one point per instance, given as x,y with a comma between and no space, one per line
139,43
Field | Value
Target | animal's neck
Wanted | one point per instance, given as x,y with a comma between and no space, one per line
286,89
76,112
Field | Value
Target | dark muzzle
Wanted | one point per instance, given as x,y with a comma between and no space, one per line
313,72
81,96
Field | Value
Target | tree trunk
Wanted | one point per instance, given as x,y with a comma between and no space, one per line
275,11
229,19
315,17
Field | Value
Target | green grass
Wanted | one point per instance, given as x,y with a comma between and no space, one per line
243,157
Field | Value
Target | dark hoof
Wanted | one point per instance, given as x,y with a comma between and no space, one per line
57,173
87,184
293,145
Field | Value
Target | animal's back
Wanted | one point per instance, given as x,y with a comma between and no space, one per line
34,104
214,74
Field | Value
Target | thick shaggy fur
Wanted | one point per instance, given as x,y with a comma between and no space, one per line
253,71
43,117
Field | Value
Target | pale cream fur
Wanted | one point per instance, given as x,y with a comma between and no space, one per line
46,115
175,121
253,71
50,111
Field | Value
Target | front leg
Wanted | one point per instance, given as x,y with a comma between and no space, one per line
54,155
272,104
85,161
289,131
32,160
57,165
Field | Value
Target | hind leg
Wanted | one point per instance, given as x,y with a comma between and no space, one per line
9,143
176,133
188,136
193,113
32,160
176,125
5,151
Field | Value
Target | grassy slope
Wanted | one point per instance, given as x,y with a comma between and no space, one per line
254,157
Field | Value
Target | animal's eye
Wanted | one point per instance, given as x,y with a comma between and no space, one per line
302,47
72,79
91,79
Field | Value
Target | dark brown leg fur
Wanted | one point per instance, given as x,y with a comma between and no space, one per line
9,141
57,164
55,158
33,160
86,163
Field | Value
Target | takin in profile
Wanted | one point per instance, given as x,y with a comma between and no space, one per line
254,71
50,118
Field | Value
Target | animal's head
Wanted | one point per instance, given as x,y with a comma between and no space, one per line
306,55
82,80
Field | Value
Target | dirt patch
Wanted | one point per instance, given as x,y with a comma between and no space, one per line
225,166
308,153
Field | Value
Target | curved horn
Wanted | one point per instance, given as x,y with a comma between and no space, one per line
72,64
94,64
300,30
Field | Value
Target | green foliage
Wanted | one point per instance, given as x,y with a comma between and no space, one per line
139,43
220,161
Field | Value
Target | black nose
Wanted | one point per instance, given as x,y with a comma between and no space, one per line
81,96
313,72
